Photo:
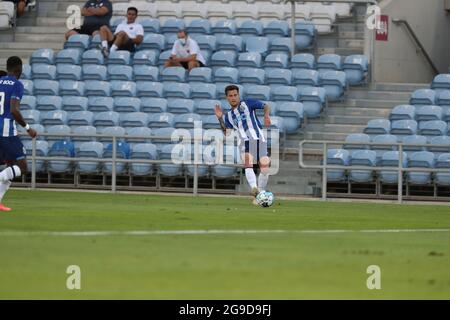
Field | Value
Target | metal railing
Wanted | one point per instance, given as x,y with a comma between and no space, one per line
400,169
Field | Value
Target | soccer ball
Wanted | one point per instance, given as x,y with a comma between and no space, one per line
265,199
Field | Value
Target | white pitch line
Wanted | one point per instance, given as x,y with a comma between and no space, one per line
206,232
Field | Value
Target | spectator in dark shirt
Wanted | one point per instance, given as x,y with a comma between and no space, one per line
97,13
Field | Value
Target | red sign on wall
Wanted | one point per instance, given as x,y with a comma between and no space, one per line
382,33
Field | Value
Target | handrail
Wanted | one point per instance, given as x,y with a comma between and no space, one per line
418,43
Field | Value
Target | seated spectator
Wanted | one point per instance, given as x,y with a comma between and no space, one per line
97,14
127,36
20,5
185,53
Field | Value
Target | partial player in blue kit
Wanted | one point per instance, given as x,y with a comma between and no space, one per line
11,149
253,144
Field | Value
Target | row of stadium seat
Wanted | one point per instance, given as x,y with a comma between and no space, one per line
408,127
6,15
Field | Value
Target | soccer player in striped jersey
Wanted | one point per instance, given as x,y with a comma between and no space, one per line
253,145
12,151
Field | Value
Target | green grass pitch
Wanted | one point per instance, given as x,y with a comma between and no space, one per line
283,265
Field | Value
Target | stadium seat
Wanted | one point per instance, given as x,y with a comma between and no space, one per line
123,88
403,112
180,106
278,76
441,82
410,143
323,17
127,104
258,92
391,159
276,28
200,75
224,170
78,41
96,41
100,104
143,151
334,83
94,72
186,120
26,72
122,57
122,152
41,151
119,72
153,105
174,74
45,56
72,88
249,59
153,41
279,45
68,72
92,57
28,103
80,118
203,91
252,75
206,107
86,133
97,88
146,57
177,90
161,120
210,122
145,73
277,60
292,114
226,74
43,71
140,134
284,93
378,127
61,149
359,141
91,150
49,103
304,35
195,12
443,162
206,42
46,87
162,136
28,87
168,153
6,15
429,113
58,132
68,56
149,89
106,119
355,68
110,132
163,57
173,26
134,119
225,27
443,98
388,142
313,100
52,118
303,61
366,158
250,28
257,44
422,159
230,42
199,26
433,128
404,127
423,97
441,145
31,116
328,62
150,25
224,59
337,157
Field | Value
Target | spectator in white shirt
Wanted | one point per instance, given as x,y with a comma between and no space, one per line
127,36
185,53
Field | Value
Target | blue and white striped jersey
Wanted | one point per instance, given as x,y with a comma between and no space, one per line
10,88
243,119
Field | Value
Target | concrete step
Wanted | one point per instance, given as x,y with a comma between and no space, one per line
50,22
329,136
379,95
398,87
30,45
40,38
367,103
40,30
339,51
358,112
343,119
334,128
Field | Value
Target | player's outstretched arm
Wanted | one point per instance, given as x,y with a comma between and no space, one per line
219,115
15,111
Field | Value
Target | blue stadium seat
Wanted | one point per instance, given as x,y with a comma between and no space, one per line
230,42
403,112
164,134
313,100
177,90
26,72
284,93
100,104
249,59
111,131
93,56
163,57
200,75
106,119
134,119
96,41
28,87
306,78
278,76
119,57
422,159
388,142
258,92
61,149
423,97
206,43
123,152
41,151
49,103
72,88
123,89
206,107
366,158
149,89
252,75
68,56
257,44
303,61
53,118
153,41
143,151
186,120
146,57
442,145
199,26
43,71
31,116
46,87
210,122
443,98
119,72
410,143
222,170
391,159
404,127
68,72
150,25
86,133
60,132
143,132
226,74
361,139
145,73
250,28
276,28
175,74
355,68
28,103
203,91
292,114
224,59
89,150
80,118
433,128
161,120
170,170
173,26
277,60
443,162
94,72
180,106
153,105
78,41
328,62
46,56
127,104
225,27
337,157
97,88
429,113
378,127
171,38
441,82
281,45
304,35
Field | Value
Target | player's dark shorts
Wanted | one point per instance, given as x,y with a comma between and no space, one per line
257,148
11,149
129,45
186,64
89,30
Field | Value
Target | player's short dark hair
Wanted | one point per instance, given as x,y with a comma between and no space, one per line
13,63
133,9
3,73
231,88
